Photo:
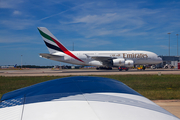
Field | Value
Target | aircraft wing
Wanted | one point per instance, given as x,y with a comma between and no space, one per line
80,98
107,61
102,58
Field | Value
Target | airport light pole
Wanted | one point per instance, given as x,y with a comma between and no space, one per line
73,46
177,44
169,43
21,61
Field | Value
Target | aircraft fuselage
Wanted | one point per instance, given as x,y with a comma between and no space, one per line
138,57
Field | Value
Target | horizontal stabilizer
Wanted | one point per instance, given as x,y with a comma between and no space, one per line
48,56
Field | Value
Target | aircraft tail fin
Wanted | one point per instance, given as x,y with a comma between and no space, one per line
53,44
51,41
15,65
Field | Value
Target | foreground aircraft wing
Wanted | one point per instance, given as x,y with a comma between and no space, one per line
80,98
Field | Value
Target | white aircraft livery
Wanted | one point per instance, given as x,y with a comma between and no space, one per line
80,98
94,58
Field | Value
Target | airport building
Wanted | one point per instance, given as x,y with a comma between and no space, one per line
169,61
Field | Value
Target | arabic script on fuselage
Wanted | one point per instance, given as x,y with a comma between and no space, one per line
132,55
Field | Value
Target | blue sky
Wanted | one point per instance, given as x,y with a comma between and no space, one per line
90,24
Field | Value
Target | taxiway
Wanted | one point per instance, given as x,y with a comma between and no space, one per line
67,72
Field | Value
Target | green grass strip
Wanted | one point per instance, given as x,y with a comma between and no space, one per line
153,87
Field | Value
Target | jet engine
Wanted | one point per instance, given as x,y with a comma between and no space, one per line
129,63
123,62
118,62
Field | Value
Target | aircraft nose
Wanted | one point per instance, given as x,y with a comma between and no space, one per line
160,59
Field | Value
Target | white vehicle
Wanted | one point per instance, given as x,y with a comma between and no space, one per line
94,58
168,66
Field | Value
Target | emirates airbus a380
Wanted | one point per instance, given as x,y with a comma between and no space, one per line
107,59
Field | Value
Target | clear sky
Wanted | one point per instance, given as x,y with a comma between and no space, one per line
91,24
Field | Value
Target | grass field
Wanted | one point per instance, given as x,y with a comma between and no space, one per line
153,87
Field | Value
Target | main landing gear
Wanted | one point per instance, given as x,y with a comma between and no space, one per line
104,68
110,68
123,68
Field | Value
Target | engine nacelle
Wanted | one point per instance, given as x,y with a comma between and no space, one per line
129,63
118,62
